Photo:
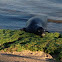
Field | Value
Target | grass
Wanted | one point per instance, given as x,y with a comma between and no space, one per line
16,40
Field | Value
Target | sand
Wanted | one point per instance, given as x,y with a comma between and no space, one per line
26,56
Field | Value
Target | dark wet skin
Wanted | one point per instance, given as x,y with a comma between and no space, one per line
40,31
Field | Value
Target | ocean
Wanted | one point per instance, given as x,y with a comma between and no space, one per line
15,13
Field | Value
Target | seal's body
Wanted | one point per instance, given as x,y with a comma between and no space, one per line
36,25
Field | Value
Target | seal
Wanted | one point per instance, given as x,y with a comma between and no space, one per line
36,25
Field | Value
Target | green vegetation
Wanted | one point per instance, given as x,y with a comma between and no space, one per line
16,40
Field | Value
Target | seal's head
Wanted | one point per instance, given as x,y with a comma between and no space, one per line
41,31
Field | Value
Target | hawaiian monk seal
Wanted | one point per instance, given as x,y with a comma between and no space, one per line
37,25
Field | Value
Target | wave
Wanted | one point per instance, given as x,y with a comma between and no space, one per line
15,13
50,8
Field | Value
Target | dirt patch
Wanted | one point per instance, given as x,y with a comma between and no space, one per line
26,56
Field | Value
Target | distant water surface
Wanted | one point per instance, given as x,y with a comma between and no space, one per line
15,13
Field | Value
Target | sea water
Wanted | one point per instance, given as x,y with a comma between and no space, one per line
15,13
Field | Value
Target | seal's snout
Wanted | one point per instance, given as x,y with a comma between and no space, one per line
43,34
41,31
